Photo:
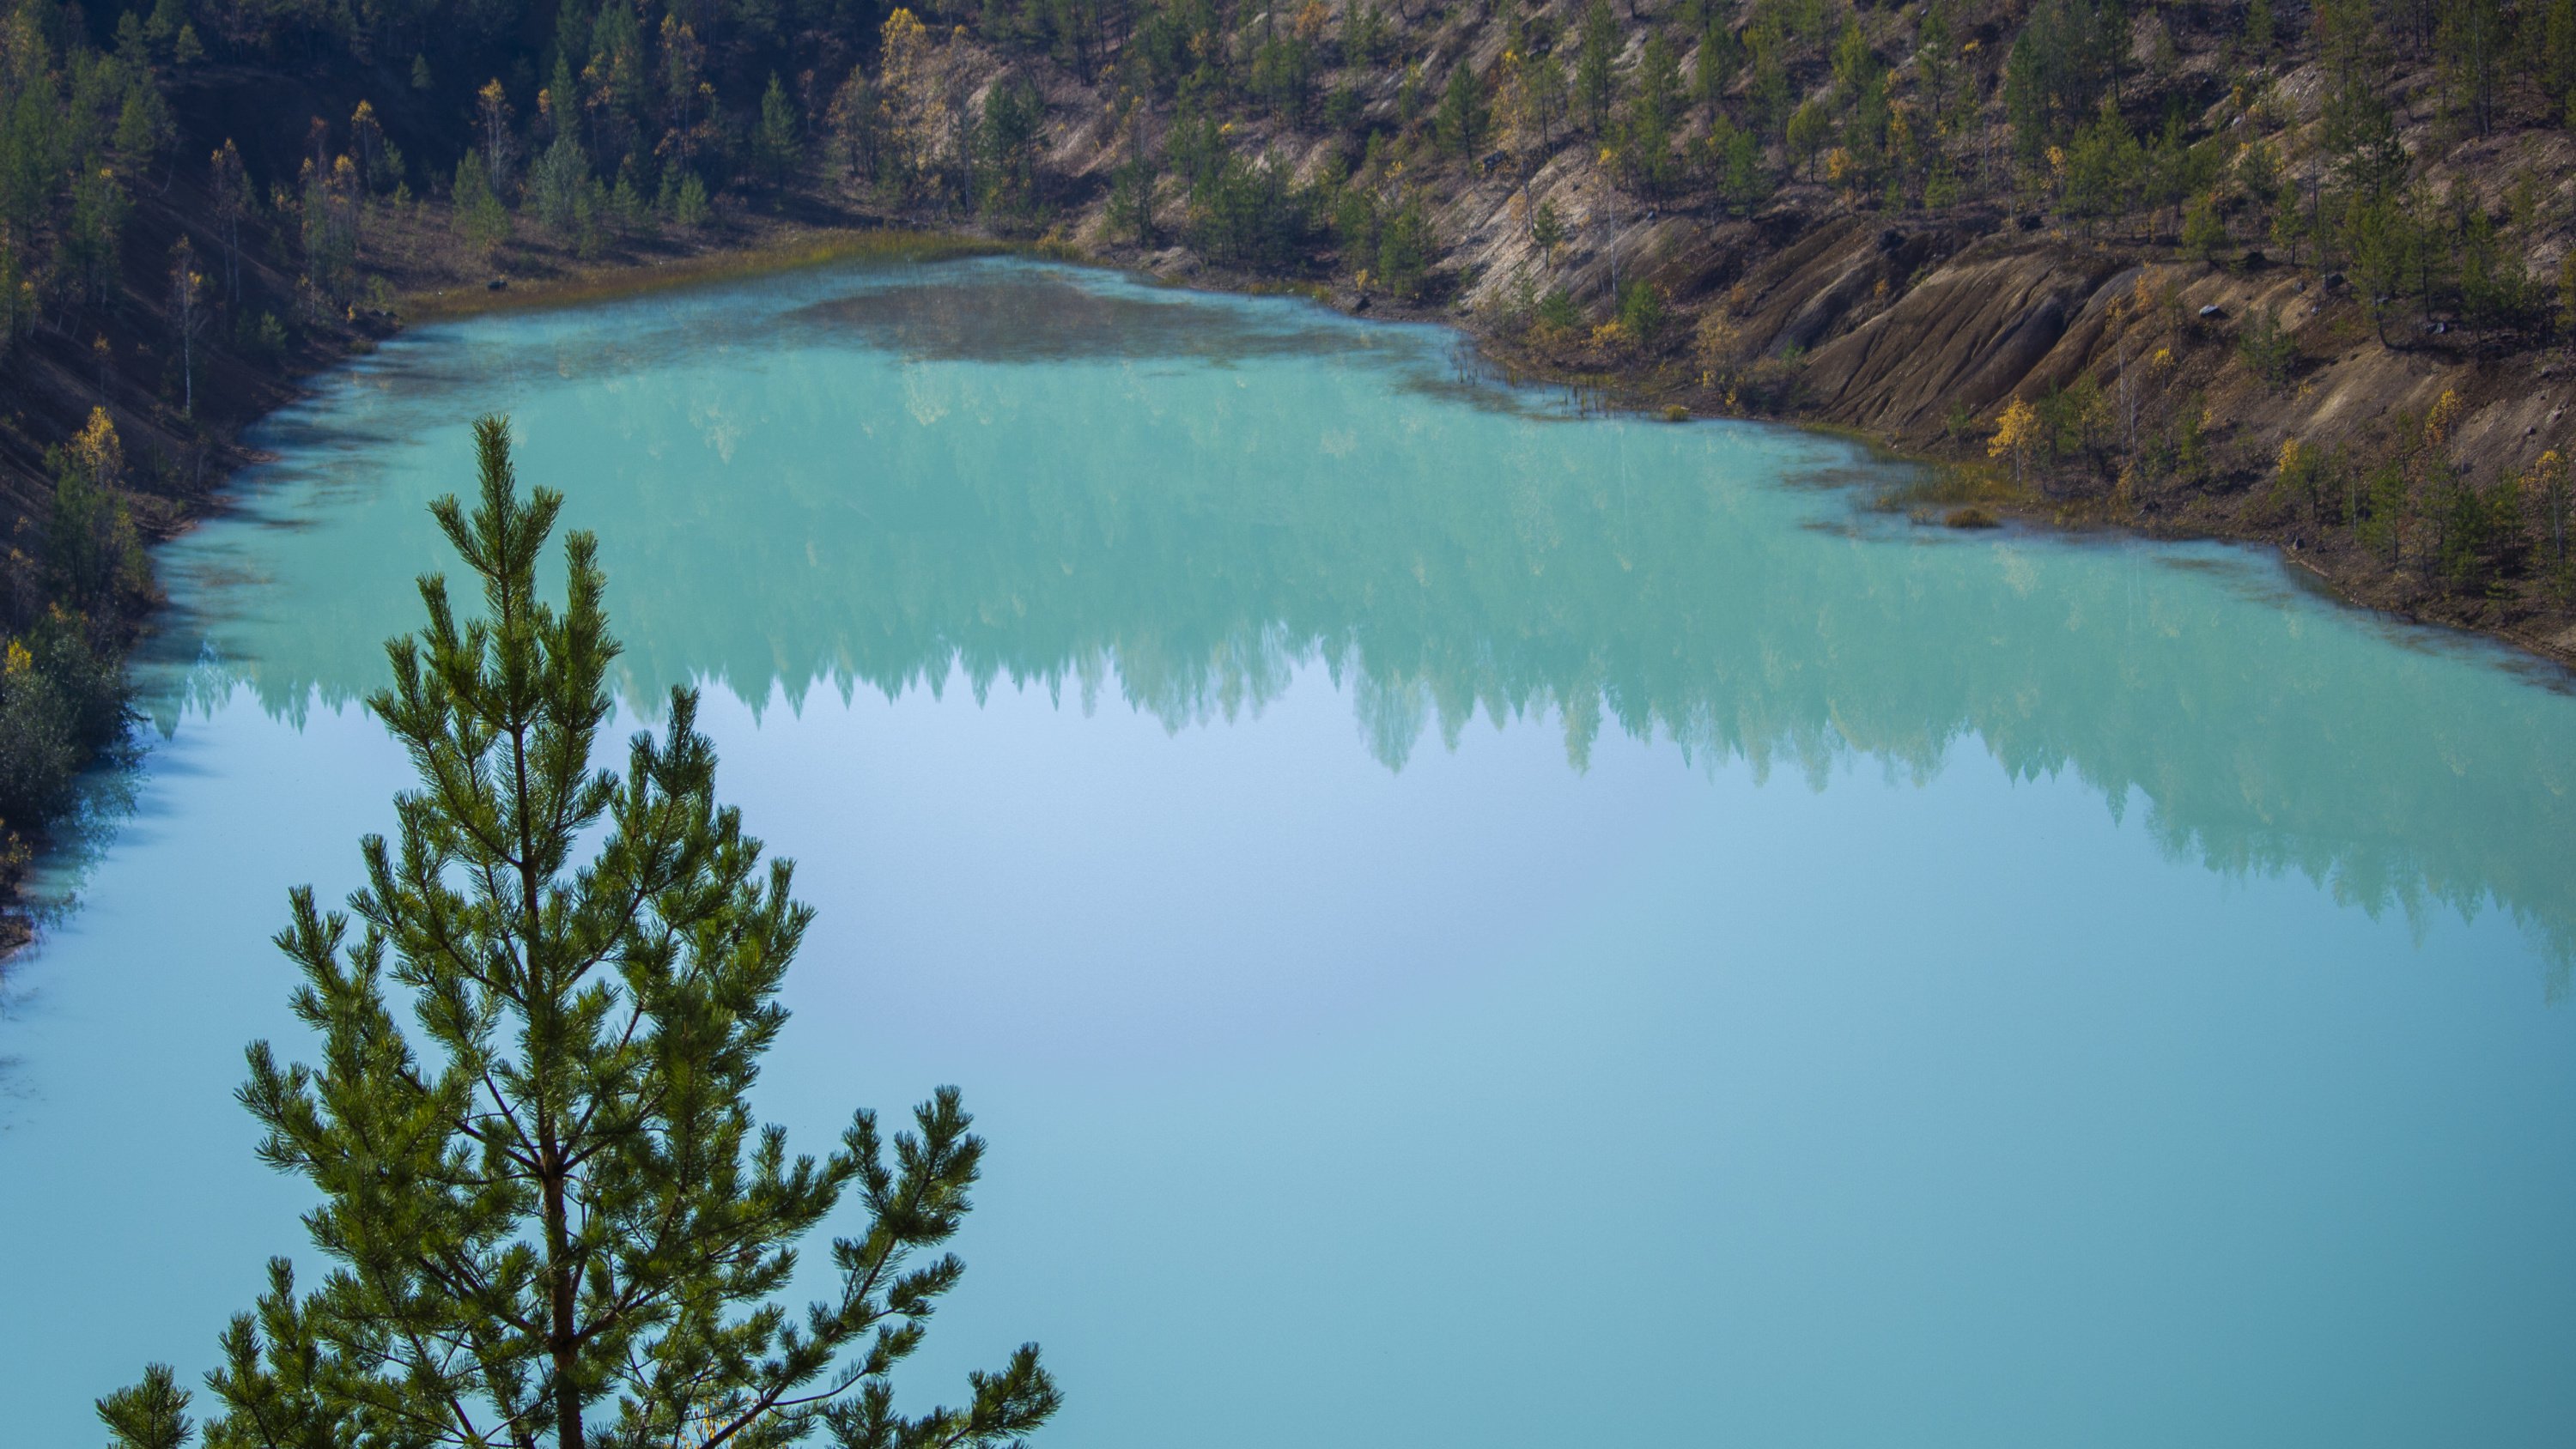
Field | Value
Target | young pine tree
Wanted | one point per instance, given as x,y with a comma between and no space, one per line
1462,119
551,1218
775,141
1596,73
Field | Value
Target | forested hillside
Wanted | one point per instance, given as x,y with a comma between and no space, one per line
2270,269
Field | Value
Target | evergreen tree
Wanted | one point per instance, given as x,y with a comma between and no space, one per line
559,180
857,120
2260,28
1770,91
151,1414
1011,139
2203,231
684,200
551,1217
2376,235
1721,55
1936,61
480,218
1855,65
1646,141
2550,47
1283,75
1543,86
1131,200
90,551
2471,41
1810,130
100,209
775,140
1462,119
1596,75
1404,249
1736,159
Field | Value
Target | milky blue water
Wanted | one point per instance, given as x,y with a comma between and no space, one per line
1465,925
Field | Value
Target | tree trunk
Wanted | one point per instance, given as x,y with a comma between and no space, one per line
563,1344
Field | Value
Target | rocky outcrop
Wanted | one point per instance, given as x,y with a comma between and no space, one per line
1899,329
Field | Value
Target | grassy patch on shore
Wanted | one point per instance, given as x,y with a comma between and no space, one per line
1936,485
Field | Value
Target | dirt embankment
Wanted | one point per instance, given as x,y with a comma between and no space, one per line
1920,330
1920,335
1898,328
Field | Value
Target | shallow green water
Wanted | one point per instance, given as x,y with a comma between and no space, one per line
1465,925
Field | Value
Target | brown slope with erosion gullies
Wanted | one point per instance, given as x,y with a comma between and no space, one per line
1999,319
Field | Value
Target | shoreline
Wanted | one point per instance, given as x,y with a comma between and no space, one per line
805,247
1989,499
2549,664
1951,494
1643,391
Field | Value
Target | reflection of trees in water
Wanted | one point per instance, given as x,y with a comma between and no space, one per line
1134,519
104,799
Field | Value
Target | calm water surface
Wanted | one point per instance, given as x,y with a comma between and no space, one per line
1465,926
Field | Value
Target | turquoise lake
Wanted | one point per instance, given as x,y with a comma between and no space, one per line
1465,924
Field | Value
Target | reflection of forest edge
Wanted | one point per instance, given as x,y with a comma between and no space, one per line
1192,544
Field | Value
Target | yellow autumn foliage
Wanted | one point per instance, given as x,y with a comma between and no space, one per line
97,449
2015,429
2444,420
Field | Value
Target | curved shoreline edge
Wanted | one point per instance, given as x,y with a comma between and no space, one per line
1943,493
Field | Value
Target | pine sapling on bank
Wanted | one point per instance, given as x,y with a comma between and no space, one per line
550,1219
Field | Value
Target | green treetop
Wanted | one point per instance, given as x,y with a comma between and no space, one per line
550,1216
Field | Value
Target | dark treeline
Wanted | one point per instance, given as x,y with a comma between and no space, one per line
1302,138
